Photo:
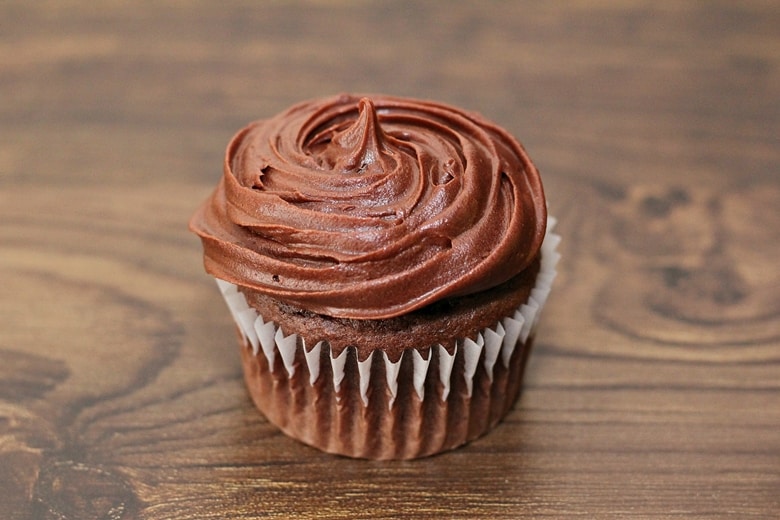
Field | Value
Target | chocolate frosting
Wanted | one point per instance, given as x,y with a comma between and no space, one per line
372,207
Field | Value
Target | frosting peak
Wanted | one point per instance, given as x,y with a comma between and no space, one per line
371,208
363,143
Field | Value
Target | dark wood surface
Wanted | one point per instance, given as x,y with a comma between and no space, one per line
654,387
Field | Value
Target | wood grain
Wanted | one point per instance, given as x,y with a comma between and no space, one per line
654,387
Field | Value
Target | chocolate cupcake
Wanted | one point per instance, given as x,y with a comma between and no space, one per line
385,261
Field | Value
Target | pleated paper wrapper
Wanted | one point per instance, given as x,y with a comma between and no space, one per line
430,400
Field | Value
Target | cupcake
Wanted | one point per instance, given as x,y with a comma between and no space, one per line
385,261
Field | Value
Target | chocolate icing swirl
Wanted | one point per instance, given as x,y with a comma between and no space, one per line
371,208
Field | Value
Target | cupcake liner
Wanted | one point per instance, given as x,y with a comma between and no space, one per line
341,413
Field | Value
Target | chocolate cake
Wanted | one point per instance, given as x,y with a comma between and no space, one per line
385,261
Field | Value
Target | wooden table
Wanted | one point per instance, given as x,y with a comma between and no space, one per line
654,387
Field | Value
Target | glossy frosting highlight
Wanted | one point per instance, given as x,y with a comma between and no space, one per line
370,208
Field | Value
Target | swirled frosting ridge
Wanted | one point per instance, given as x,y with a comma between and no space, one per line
372,207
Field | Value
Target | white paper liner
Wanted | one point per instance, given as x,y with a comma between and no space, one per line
420,372
471,352
391,374
313,362
364,369
497,342
446,362
337,366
